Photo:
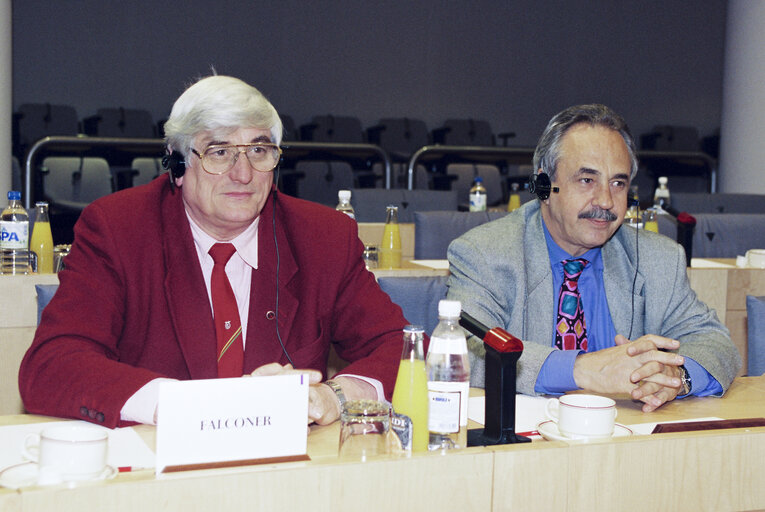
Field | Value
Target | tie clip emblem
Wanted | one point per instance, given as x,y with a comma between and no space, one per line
227,324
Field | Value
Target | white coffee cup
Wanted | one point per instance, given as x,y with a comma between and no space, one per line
67,453
755,258
582,416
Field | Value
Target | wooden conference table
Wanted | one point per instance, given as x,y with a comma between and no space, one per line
707,470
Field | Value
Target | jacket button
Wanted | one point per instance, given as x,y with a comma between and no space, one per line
83,411
100,417
92,414
270,315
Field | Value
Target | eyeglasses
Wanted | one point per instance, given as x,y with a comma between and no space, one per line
263,156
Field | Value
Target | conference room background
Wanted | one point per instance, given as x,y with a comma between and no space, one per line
513,63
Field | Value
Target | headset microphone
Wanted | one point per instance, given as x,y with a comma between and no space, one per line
540,185
174,163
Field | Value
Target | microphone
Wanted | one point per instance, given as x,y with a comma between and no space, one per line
502,353
496,337
682,217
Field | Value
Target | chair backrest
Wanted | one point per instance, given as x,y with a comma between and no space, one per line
333,129
370,203
727,235
76,180
464,132
123,122
717,203
147,168
417,296
45,293
38,120
322,180
755,318
434,231
401,136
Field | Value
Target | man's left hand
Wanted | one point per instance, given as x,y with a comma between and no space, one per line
657,383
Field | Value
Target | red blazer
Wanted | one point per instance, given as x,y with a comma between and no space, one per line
132,304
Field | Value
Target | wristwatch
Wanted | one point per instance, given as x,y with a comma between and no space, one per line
685,377
338,391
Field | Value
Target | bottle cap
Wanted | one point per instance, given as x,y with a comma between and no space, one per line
662,180
478,179
344,195
14,195
449,308
413,329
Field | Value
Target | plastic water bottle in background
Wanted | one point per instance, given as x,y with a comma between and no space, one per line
344,203
14,237
515,198
410,396
448,370
661,196
478,196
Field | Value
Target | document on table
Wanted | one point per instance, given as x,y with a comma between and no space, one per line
434,264
126,448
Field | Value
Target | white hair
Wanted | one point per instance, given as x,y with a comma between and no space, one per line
219,104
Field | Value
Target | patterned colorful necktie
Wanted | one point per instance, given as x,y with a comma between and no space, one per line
228,327
571,329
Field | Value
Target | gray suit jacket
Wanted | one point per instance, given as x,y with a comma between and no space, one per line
500,271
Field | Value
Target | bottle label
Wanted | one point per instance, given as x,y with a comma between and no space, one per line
456,345
447,409
14,235
477,202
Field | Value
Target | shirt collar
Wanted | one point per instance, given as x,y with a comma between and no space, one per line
557,255
246,243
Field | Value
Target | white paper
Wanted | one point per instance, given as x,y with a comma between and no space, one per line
434,264
705,263
126,448
216,420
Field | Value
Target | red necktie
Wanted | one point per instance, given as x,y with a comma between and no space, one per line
570,329
228,327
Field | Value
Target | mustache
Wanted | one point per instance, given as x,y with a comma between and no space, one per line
600,214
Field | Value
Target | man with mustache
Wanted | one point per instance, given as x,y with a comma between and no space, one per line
598,306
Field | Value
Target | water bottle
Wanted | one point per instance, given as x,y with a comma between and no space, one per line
661,196
344,203
478,196
448,371
14,237
410,396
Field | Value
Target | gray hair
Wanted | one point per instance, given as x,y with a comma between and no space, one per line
547,152
219,104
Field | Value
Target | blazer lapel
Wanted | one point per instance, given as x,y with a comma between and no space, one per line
539,309
186,293
618,273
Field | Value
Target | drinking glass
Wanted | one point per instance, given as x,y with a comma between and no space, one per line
364,430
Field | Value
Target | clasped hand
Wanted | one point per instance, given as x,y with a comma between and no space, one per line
323,407
637,367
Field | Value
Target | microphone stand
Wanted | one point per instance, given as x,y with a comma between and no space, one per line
502,353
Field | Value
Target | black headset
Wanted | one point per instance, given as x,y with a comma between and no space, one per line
174,163
540,185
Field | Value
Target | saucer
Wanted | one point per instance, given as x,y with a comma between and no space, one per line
549,430
26,475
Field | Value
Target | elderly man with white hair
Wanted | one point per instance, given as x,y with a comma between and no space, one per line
209,272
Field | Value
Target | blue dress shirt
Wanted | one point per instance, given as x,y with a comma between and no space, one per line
557,373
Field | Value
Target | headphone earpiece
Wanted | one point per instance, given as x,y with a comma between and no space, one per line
174,163
540,185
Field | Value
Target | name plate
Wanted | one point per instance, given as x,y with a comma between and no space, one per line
226,422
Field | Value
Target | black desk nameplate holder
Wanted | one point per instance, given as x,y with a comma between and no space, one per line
502,353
